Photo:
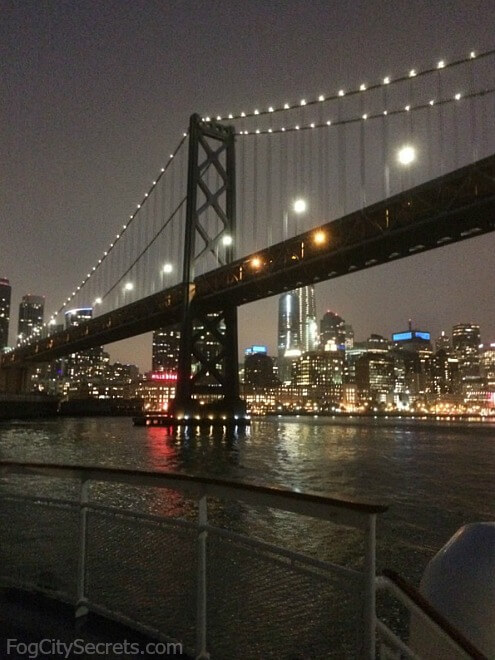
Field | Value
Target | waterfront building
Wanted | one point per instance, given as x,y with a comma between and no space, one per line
31,311
320,375
5,294
165,352
156,389
466,347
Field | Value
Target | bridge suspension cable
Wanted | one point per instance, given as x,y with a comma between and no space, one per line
441,65
381,140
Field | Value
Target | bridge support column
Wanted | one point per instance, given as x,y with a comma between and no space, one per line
14,380
208,379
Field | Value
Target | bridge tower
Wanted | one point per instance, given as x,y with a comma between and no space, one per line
208,353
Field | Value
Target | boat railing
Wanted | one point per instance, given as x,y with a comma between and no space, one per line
177,573
434,626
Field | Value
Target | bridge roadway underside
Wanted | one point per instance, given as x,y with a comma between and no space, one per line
448,209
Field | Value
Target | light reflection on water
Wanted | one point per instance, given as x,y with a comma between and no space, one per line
435,476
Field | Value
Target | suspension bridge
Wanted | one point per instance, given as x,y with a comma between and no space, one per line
389,168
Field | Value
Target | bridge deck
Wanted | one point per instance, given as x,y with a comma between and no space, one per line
448,209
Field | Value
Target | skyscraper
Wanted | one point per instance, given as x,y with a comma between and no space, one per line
5,292
466,347
165,354
289,344
85,365
308,330
31,312
297,329
332,331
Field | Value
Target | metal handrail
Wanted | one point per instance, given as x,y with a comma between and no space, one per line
339,511
349,513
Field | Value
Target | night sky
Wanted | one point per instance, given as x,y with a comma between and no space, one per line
96,94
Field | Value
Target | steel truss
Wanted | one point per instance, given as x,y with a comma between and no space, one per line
208,342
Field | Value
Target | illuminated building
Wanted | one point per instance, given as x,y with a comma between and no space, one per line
465,347
320,375
157,389
332,332
289,345
415,348
443,342
31,312
82,368
308,332
487,365
445,373
374,373
165,353
5,293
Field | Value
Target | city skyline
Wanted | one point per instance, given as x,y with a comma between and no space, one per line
100,139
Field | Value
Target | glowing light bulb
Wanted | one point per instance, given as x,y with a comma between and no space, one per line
406,155
300,206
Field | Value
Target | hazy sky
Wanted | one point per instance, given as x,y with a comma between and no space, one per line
94,94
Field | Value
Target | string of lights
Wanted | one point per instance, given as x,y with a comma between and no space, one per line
363,87
118,237
352,120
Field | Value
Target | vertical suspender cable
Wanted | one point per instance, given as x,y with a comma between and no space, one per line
440,127
255,193
341,163
269,205
362,168
385,145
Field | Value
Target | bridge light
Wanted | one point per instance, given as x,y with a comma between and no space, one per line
441,64
98,301
256,262
300,206
227,240
406,155
129,286
319,237
386,80
168,268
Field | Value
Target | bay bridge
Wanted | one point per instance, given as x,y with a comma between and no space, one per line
389,168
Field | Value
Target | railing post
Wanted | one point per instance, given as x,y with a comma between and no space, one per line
201,652
369,590
81,604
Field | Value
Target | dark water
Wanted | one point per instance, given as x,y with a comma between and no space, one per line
435,476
